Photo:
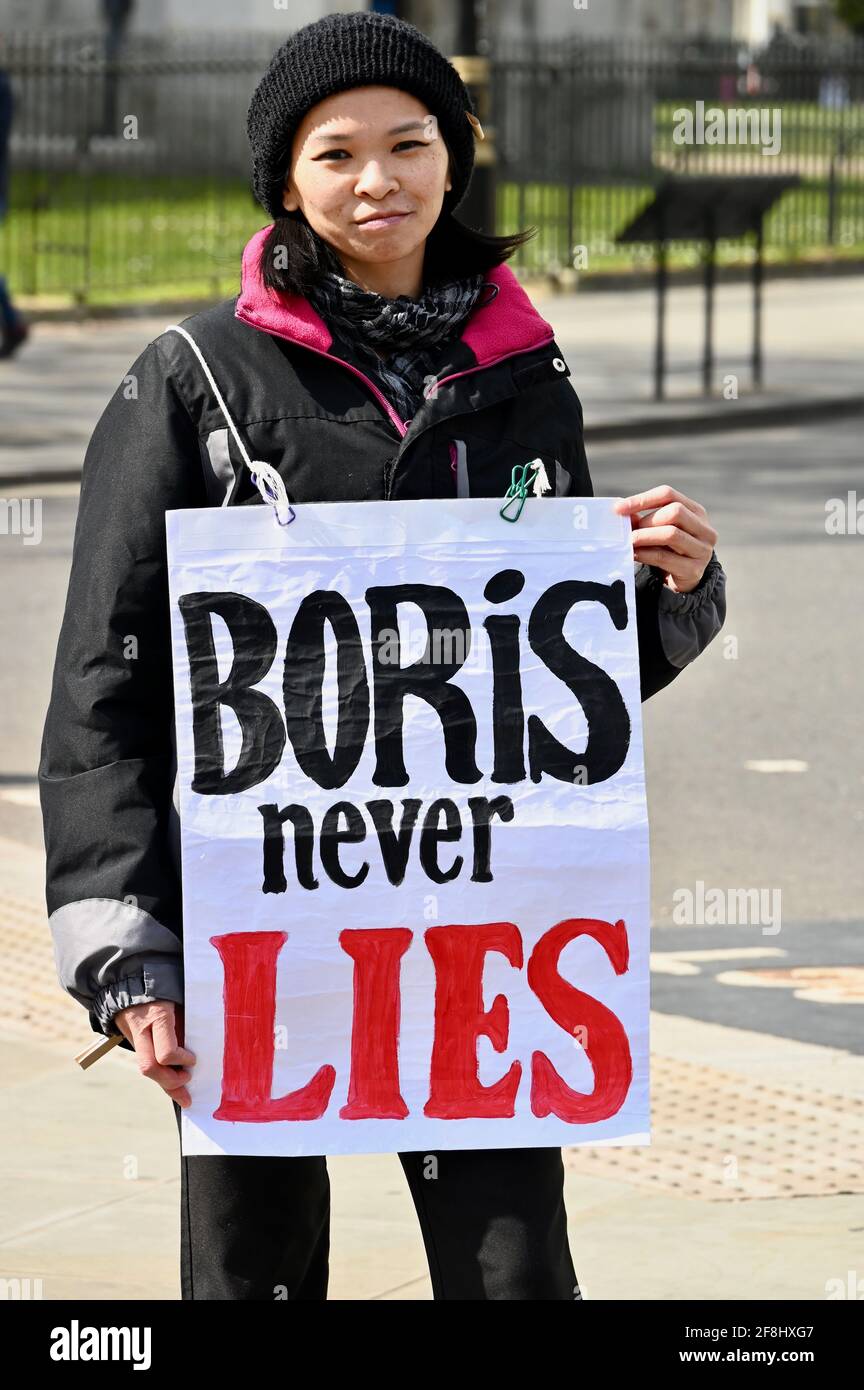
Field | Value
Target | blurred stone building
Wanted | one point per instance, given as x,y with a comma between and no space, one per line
750,20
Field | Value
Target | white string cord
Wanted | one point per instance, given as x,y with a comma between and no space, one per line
267,480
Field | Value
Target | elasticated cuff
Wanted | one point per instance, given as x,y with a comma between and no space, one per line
161,979
688,622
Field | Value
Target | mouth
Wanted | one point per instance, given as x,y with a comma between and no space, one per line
382,220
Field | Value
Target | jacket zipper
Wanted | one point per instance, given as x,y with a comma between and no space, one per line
402,425
459,467
481,366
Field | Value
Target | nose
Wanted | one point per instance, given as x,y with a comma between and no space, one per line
375,180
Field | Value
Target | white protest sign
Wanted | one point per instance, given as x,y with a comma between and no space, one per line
414,833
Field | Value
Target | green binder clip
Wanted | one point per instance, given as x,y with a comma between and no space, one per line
521,479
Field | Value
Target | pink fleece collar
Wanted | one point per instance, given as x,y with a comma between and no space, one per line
509,324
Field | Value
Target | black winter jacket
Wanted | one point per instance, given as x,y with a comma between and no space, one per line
501,396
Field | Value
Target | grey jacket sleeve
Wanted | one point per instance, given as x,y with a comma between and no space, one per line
107,768
686,623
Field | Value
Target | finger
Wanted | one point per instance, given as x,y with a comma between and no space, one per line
171,1079
181,1096
165,1045
166,1077
682,569
655,497
670,538
179,1092
676,514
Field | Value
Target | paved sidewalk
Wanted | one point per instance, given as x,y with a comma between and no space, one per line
53,392
745,1126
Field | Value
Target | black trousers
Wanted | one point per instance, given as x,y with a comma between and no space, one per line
493,1224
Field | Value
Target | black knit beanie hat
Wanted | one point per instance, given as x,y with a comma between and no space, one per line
354,50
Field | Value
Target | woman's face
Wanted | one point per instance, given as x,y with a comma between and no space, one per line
359,156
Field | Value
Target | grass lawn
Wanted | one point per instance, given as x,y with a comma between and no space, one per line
794,230
112,238
109,237
806,128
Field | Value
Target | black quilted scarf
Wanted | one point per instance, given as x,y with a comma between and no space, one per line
407,331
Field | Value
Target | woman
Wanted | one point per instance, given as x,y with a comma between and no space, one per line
376,350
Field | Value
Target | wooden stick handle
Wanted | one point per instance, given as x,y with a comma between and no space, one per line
97,1049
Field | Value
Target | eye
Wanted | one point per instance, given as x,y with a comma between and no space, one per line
331,154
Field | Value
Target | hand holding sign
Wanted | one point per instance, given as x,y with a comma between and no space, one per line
156,1032
674,534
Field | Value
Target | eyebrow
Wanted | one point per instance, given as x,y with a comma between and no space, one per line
396,130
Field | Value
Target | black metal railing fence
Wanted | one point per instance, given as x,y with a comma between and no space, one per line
130,174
